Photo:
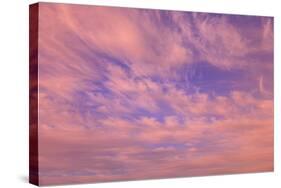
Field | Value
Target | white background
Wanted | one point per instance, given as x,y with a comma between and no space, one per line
14,91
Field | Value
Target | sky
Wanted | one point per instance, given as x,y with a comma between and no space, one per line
128,94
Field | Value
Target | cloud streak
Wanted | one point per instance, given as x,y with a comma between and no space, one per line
121,90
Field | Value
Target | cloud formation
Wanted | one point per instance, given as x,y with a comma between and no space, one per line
121,90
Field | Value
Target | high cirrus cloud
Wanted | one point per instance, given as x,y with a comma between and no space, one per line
121,90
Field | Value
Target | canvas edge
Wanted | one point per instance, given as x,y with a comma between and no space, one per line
33,94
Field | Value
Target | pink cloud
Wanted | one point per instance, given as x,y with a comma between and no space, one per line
111,106
110,38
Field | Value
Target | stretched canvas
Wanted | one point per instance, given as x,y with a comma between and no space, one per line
130,94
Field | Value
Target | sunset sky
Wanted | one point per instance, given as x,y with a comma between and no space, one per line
129,94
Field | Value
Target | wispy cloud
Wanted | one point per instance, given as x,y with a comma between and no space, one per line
121,90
